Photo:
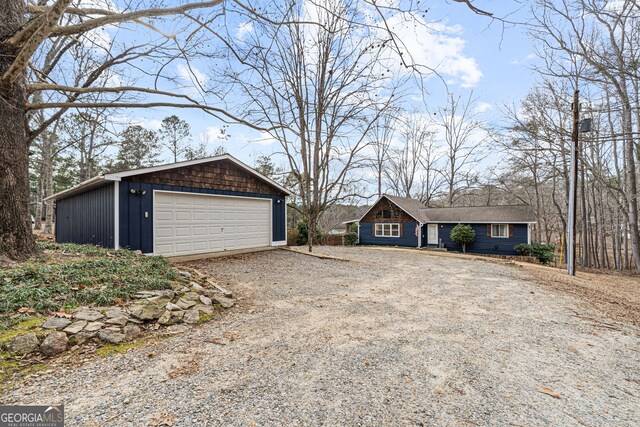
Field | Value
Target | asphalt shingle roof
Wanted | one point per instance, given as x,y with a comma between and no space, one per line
483,214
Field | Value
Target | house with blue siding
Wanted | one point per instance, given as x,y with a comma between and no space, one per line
192,207
401,221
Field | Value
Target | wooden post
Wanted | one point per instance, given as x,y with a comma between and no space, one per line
573,194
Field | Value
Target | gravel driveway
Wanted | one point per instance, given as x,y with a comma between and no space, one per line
394,337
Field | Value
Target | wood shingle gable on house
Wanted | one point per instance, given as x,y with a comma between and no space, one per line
205,205
498,228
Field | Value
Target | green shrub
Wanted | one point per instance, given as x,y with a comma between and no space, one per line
353,228
350,239
303,233
524,249
543,252
463,234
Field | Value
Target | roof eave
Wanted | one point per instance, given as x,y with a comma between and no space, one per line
387,197
117,176
84,185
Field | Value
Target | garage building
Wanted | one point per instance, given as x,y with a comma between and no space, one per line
205,205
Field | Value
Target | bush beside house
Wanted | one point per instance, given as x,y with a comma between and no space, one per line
463,234
544,252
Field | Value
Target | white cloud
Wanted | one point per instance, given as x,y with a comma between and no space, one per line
192,78
483,107
438,46
213,134
244,29
151,124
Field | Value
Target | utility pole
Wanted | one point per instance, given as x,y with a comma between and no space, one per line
573,193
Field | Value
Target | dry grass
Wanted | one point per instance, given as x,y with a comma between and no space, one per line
615,295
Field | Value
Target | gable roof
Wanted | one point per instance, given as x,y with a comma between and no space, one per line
117,176
518,214
410,206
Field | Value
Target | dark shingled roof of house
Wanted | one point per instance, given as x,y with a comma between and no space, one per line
467,214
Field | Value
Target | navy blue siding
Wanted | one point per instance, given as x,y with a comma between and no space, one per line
483,244
136,231
408,237
87,218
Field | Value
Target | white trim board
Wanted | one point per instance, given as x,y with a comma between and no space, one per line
375,231
95,181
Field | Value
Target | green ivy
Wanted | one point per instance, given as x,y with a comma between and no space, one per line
99,277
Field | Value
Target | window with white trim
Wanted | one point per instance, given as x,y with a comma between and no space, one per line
387,230
500,230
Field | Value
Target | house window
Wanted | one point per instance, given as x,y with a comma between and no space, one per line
387,230
388,214
500,230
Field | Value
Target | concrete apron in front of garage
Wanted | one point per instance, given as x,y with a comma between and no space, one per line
207,255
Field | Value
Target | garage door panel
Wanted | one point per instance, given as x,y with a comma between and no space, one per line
164,232
163,215
192,223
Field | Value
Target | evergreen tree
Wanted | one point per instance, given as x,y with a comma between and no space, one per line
138,148
175,135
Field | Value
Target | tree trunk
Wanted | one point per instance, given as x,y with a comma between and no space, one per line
16,237
39,202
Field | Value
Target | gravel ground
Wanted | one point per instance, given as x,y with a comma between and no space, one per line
394,337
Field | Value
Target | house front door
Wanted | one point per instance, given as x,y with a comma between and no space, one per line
432,234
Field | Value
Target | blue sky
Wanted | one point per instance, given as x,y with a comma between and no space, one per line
473,53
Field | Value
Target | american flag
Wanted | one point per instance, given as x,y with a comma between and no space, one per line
417,230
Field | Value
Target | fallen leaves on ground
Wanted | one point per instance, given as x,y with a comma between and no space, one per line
161,419
551,392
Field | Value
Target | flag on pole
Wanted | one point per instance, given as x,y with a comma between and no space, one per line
417,230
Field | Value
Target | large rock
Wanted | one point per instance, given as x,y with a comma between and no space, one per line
56,323
93,326
206,309
196,287
88,314
114,312
23,344
171,317
191,296
150,308
75,327
205,300
120,321
54,343
131,332
224,301
191,316
185,304
151,294
111,335
173,307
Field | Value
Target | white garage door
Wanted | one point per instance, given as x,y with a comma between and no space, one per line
195,223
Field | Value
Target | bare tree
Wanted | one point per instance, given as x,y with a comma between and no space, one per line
379,140
603,36
405,163
464,138
319,88
27,29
